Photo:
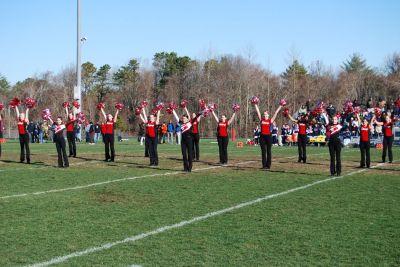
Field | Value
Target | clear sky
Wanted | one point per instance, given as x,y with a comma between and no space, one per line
40,35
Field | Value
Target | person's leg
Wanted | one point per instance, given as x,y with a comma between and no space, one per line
299,149
184,154
22,146
368,159
362,150
390,145
338,149
225,148
107,146
385,147
59,154
155,152
27,150
269,154
220,149
332,157
64,152
263,146
112,147
304,146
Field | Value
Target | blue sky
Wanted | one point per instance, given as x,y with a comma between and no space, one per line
40,35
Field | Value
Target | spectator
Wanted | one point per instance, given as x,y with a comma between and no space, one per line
164,131
31,127
141,134
257,132
274,133
91,133
97,132
178,133
170,130
87,129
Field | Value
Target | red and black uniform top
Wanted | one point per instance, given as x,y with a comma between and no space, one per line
103,128
186,128
151,130
302,127
265,127
388,129
195,125
109,127
222,129
333,132
58,132
364,133
22,127
70,124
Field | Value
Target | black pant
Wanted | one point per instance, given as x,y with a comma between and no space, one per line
24,143
266,145
109,145
61,152
335,148
387,145
71,143
223,149
365,157
146,147
301,144
152,145
196,141
187,151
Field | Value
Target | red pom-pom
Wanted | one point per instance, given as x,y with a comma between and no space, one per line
235,107
202,104
138,110
119,106
30,102
144,104
254,100
184,103
212,106
80,116
66,104
285,112
154,111
46,114
282,102
169,110
2,140
205,112
15,102
1,106
378,112
171,106
100,106
76,104
159,105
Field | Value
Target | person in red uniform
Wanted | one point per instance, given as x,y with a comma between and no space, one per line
333,128
195,134
1,132
23,121
387,125
59,128
365,130
222,136
187,139
71,127
109,134
151,135
265,136
302,122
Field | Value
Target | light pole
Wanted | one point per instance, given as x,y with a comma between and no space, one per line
77,88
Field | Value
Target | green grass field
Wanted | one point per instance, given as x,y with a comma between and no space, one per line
83,215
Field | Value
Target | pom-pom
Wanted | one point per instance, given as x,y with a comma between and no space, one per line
212,106
282,102
30,102
348,107
15,102
285,112
169,110
76,104
1,106
119,106
202,104
254,100
100,106
235,107
205,112
138,110
377,112
159,105
80,116
2,140
46,114
66,104
171,106
184,103
154,111
144,104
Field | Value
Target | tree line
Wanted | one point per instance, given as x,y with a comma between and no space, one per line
223,80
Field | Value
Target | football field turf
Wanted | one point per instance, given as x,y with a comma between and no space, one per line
127,213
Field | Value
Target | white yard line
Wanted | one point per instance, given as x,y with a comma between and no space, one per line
113,181
165,228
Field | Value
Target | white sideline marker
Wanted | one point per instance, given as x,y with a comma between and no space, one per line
113,181
160,230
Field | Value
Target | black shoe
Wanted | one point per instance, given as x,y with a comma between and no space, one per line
21,161
338,174
106,160
28,162
360,167
66,166
70,155
74,156
111,160
304,161
390,161
299,160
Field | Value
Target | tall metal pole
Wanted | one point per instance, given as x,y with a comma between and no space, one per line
77,89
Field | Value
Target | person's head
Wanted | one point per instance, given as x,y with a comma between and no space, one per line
194,115
22,116
185,118
170,121
223,118
70,116
152,118
266,115
110,117
388,119
365,122
335,120
59,121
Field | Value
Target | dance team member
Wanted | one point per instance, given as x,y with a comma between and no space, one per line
59,127
333,129
222,136
23,121
302,122
151,134
365,130
265,136
109,133
71,128
195,120
387,137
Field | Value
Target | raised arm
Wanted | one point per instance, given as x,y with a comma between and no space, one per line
231,119
215,116
116,115
27,115
158,117
358,119
17,112
104,114
144,120
66,112
292,119
176,115
258,111
325,118
187,112
276,114
376,122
